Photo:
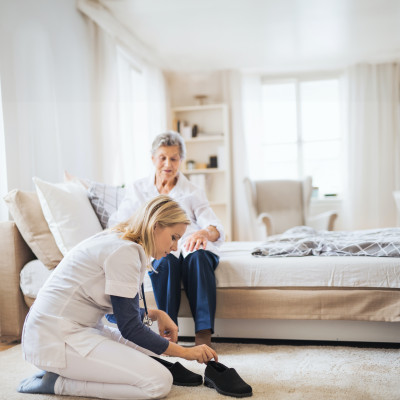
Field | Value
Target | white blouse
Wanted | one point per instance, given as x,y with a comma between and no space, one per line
191,198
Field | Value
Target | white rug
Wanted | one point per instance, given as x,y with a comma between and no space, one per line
274,372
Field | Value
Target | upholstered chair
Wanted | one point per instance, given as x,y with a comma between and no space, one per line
277,205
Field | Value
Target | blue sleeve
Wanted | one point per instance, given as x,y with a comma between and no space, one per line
128,317
111,317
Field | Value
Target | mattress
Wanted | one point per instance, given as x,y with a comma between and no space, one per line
239,269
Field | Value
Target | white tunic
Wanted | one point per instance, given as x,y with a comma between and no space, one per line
191,198
72,302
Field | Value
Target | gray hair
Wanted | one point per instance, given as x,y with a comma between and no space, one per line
169,138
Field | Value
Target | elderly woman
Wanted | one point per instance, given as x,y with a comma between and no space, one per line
196,259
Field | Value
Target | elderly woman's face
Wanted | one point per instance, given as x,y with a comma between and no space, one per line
167,161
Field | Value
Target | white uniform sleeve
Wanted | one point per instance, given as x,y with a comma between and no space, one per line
122,272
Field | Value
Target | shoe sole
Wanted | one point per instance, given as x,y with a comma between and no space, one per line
209,383
187,384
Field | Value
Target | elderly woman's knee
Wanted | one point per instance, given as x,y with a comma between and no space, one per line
200,259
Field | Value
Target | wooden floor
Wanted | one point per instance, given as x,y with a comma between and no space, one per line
5,346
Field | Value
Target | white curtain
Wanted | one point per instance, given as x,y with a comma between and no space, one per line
3,166
253,122
373,145
106,130
234,95
33,106
142,116
129,109
248,150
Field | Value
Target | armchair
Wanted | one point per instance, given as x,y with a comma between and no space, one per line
277,205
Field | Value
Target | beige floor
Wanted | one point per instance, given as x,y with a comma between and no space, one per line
275,373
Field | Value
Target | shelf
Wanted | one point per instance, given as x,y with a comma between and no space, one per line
212,139
203,171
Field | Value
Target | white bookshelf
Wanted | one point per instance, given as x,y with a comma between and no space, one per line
213,139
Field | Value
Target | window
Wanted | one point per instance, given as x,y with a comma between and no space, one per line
134,139
141,115
301,133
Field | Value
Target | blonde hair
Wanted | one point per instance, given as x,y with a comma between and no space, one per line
161,210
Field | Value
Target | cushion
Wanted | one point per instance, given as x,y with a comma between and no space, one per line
105,199
32,277
68,212
28,216
85,182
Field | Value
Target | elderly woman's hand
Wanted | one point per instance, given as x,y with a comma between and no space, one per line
200,238
197,240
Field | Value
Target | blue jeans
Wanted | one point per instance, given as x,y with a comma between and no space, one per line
196,272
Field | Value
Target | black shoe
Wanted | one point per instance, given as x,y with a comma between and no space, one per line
226,380
181,375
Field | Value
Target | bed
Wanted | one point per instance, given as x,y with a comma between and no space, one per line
306,298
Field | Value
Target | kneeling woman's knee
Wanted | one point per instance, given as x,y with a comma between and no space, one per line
162,384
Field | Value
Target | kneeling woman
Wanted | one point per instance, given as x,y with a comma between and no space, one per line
63,333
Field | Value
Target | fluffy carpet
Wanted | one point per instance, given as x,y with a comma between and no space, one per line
274,372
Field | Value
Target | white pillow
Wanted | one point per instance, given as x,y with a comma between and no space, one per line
32,277
68,212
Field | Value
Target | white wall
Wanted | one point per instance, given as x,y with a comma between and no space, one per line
45,65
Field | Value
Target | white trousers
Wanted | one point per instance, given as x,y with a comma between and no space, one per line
114,369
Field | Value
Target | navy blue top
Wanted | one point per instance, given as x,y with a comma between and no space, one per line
129,318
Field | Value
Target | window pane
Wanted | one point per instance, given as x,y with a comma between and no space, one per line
278,162
279,113
317,140
277,171
320,116
318,151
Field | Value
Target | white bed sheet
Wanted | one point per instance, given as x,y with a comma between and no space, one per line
238,268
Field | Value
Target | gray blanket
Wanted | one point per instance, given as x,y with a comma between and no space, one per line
305,241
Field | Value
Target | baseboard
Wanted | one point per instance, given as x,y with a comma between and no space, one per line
300,330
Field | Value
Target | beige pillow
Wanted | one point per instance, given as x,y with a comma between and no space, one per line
27,213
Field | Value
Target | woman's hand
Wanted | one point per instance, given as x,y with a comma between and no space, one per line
202,353
201,238
166,327
196,240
